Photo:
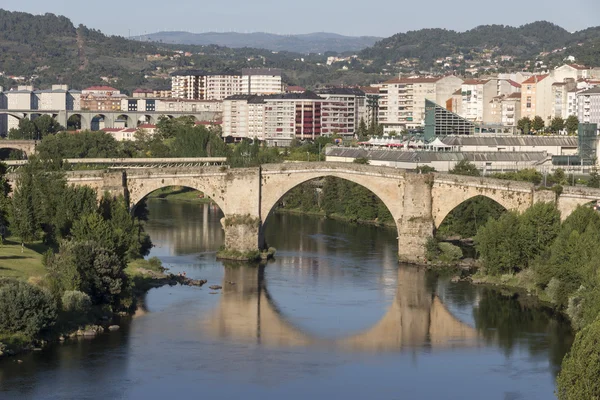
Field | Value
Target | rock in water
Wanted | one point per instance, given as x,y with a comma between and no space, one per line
113,328
215,287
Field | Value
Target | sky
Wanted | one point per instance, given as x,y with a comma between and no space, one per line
355,18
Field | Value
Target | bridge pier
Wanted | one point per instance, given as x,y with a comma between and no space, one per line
242,237
416,224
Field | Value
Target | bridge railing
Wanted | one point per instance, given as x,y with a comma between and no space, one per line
116,163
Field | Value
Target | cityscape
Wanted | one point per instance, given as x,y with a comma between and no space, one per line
304,215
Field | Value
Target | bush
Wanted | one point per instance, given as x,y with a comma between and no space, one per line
25,308
578,378
450,252
432,250
76,302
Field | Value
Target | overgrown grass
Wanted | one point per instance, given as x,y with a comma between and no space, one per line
22,265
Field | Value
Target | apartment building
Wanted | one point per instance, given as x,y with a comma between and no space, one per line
187,84
244,117
342,110
560,96
511,110
402,100
371,109
220,86
277,119
588,106
575,72
536,97
261,81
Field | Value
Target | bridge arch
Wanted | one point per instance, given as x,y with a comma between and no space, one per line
129,122
139,190
26,146
276,184
75,122
448,192
97,122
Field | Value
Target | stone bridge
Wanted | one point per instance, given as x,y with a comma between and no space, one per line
418,202
248,313
26,146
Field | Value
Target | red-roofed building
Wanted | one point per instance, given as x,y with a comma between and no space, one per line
295,89
143,93
121,134
536,97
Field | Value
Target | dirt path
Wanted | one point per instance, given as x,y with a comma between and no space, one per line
83,60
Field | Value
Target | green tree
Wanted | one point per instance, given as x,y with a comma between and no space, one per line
361,160
89,268
465,167
572,124
578,378
557,124
539,226
498,244
594,181
25,308
524,125
538,124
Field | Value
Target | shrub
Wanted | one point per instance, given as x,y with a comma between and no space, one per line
76,302
25,308
578,378
450,252
432,250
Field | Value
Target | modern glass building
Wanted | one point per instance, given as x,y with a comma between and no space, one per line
439,121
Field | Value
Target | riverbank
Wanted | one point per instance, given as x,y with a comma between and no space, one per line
28,266
338,217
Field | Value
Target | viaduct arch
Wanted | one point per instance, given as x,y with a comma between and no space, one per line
418,202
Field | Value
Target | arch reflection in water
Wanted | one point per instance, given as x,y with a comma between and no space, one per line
185,229
247,313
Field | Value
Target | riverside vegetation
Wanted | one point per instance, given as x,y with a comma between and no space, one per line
86,247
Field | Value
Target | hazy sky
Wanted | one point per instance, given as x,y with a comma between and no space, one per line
364,17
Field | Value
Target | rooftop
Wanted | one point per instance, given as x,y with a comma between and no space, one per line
341,90
595,90
535,79
103,88
512,140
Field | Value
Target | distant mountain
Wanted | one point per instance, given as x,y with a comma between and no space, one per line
319,42
526,41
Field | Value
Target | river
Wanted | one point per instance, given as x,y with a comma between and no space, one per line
333,316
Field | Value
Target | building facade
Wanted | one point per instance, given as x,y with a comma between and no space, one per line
588,106
261,81
342,110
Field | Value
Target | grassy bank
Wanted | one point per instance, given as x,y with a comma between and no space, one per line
521,282
21,262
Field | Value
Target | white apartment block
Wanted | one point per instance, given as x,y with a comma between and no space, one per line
588,105
244,117
261,81
560,96
402,101
219,87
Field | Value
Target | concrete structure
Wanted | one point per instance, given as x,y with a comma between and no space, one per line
402,102
342,111
199,85
536,98
560,96
439,121
443,161
553,145
261,81
418,202
244,117
510,110
588,106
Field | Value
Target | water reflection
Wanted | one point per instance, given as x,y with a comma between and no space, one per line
416,317
187,228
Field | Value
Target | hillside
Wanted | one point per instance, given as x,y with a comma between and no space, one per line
319,42
48,49
524,42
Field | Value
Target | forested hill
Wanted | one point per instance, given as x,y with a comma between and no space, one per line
318,42
51,47
524,42
48,49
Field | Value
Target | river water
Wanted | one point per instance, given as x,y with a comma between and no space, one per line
333,316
